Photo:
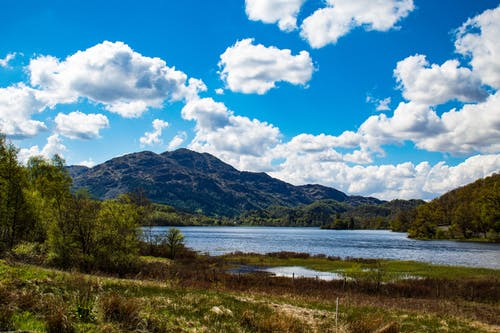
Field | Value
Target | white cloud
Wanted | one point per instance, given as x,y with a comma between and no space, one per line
434,84
383,105
78,125
219,91
177,141
471,129
404,180
88,163
112,74
479,38
5,61
380,104
17,105
238,140
284,12
152,138
54,146
410,121
250,68
327,25
474,128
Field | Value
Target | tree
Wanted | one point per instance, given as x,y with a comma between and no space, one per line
15,218
117,241
175,241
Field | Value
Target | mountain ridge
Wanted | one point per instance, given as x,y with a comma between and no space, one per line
198,182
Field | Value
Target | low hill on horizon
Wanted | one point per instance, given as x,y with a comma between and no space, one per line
199,182
467,212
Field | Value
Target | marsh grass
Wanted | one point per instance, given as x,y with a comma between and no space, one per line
198,295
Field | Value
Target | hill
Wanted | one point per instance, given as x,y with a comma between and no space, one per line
198,182
468,212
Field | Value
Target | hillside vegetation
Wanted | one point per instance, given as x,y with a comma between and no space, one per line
332,214
471,212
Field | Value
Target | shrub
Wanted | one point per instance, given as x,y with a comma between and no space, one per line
121,310
57,319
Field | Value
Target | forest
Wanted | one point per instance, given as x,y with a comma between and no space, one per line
471,212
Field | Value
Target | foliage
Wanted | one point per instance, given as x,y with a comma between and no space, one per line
332,214
469,212
117,237
174,241
16,220
37,207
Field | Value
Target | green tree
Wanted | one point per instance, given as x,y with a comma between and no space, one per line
117,241
16,221
175,241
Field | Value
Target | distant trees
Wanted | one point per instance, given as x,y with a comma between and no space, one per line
331,214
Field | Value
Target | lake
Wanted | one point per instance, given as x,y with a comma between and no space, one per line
341,243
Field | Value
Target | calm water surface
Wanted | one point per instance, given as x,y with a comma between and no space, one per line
342,243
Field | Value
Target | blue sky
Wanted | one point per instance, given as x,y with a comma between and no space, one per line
389,98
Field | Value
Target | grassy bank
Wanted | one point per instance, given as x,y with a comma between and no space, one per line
392,269
197,295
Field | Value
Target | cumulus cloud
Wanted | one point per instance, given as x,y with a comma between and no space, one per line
177,140
479,39
234,138
405,180
152,138
5,61
473,128
17,105
283,12
111,74
78,125
434,84
54,146
88,163
250,68
470,129
327,25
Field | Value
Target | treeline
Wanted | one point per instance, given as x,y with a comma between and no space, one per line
38,210
469,212
165,215
332,214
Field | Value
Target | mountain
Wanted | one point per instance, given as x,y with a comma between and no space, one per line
200,182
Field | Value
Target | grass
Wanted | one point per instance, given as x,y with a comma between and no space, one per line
198,296
392,267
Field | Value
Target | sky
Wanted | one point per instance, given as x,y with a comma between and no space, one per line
383,98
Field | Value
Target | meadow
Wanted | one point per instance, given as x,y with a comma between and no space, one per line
195,293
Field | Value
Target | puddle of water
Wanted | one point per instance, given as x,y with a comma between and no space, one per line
288,271
302,272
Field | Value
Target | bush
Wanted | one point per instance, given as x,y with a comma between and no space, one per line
57,319
121,310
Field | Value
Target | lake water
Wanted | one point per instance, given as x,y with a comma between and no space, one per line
342,243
